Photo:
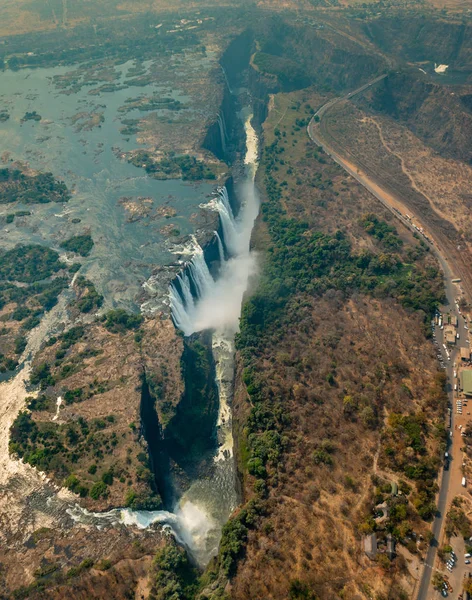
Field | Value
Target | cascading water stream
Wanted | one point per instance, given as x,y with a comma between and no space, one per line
222,127
217,304
221,250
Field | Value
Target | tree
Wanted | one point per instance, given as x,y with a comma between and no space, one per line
300,591
468,586
437,581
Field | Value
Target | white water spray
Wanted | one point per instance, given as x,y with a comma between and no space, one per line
199,302
190,525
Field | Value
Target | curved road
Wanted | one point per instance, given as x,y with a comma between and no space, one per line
395,205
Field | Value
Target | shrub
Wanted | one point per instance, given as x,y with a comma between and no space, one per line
29,263
119,321
107,477
98,490
41,375
80,244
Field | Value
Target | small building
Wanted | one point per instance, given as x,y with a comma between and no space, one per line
370,546
454,320
394,486
466,382
465,354
450,334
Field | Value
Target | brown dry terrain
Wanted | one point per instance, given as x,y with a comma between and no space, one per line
313,528
445,182
340,371
348,137
437,113
99,375
121,560
23,16
99,378
351,377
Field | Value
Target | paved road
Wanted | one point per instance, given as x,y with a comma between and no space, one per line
393,204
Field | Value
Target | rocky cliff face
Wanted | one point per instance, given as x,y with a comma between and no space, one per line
319,55
440,115
419,38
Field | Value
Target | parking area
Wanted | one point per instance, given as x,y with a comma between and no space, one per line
451,337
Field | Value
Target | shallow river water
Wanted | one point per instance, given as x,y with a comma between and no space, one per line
90,164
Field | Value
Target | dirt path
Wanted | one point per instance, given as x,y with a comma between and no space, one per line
405,169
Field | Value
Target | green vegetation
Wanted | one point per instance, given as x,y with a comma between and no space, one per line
7,363
15,186
57,449
89,299
120,321
405,450
142,501
386,234
72,483
457,522
4,116
234,537
31,302
41,375
303,262
174,577
71,336
39,403
80,244
29,263
31,116
172,166
98,490
10,217
130,127
154,102
300,591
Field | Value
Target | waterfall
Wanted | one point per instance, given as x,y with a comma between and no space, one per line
216,304
221,250
190,526
200,274
182,299
228,223
221,125
226,80
200,302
